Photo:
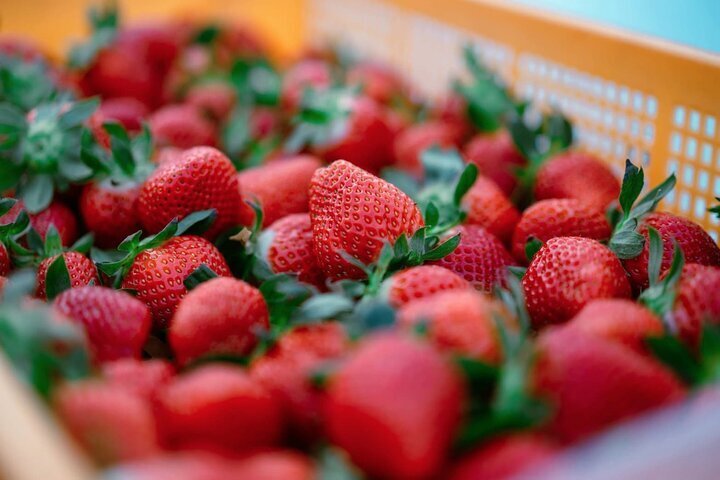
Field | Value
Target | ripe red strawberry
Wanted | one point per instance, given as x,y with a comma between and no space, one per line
274,465
452,109
694,302
378,81
290,249
420,282
280,187
695,243
157,274
182,126
459,321
480,258
496,157
214,99
581,373
110,212
486,205
129,112
116,323
81,269
167,154
230,327
143,378
367,411
303,75
557,217
355,211
619,320
566,274
111,424
286,370
217,408
56,214
577,175
414,140
506,457
4,260
202,178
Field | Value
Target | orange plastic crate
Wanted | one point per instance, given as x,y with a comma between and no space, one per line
629,96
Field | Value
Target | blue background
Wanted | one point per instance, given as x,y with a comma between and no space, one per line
691,22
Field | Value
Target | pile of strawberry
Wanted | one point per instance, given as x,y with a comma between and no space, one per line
211,269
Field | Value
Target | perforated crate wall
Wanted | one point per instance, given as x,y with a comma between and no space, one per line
630,97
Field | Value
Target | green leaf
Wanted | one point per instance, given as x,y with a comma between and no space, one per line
36,193
10,174
121,148
197,222
653,197
673,353
75,170
402,180
442,250
201,274
335,465
6,204
236,132
655,255
715,209
78,113
710,352
324,306
432,214
12,119
522,136
532,246
207,35
632,184
53,243
465,182
627,243
83,244
57,278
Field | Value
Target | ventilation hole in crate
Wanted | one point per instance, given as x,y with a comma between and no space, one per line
688,177
675,142
646,158
691,148
638,101
649,134
703,180
651,106
716,187
713,234
710,127
706,155
700,208
679,117
684,202
624,97
694,121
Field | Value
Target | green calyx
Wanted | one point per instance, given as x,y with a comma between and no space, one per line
104,22
660,296
716,208
323,118
41,151
28,249
11,232
696,367
256,82
626,242
129,160
507,402
488,100
26,84
42,350
117,263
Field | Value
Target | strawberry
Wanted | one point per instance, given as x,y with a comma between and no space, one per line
552,218
354,211
56,214
566,274
486,205
506,457
277,464
480,258
239,313
452,109
338,123
111,424
4,261
693,304
201,178
143,378
458,321
583,373
421,282
280,188
109,204
286,370
367,414
289,244
129,112
378,81
577,175
214,99
156,267
116,323
695,243
182,126
80,269
303,75
619,320
414,140
496,157
217,408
